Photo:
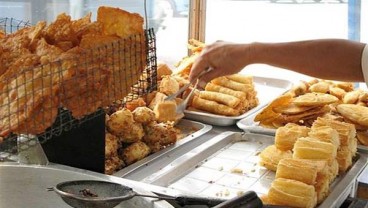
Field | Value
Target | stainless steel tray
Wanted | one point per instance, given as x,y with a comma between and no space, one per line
26,186
227,165
267,90
249,125
191,131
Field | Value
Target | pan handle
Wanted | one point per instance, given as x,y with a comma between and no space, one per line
247,200
193,200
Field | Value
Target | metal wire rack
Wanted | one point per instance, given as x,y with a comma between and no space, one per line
48,99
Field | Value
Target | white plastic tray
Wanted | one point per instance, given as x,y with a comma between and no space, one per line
267,90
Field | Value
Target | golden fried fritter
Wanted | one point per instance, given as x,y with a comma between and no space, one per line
111,145
135,152
143,115
159,135
119,121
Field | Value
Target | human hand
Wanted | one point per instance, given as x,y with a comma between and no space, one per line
223,57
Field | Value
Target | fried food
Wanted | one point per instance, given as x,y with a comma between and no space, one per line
292,193
143,115
112,20
44,67
132,133
315,99
2,33
213,107
292,109
325,134
221,98
287,135
351,97
159,97
135,152
267,115
310,148
134,104
120,122
320,87
112,164
218,88
244,79
346,131
270,157
168,85
296,169
163,70
225,82
165,111
159,135
357,114
111,145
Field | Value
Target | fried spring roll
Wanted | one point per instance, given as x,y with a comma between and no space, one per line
217,88
222,98
244,79
225,82
213,107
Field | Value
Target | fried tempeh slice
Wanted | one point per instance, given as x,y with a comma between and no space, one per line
221,98
292,193
213,107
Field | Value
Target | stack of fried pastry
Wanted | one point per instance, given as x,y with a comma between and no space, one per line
307,101
229,95
319,154
355,114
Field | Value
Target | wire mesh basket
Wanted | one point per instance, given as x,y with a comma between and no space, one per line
50,98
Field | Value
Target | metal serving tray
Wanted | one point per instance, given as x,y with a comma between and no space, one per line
26,186
267,90
227,165
190,129
249,125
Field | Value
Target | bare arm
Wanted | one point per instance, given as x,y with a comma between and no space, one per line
334,59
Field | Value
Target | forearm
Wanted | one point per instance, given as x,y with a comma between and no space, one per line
333,59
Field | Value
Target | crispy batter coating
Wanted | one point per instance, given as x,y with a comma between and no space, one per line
143,115
112,164
159,135
135,152
119,121
111,145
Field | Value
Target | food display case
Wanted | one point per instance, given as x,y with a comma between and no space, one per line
56,116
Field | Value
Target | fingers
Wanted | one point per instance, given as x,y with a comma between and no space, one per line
208,77
198,66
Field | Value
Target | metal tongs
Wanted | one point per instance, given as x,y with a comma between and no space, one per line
182,106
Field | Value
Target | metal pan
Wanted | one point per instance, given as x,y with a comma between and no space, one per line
191,131
228,164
